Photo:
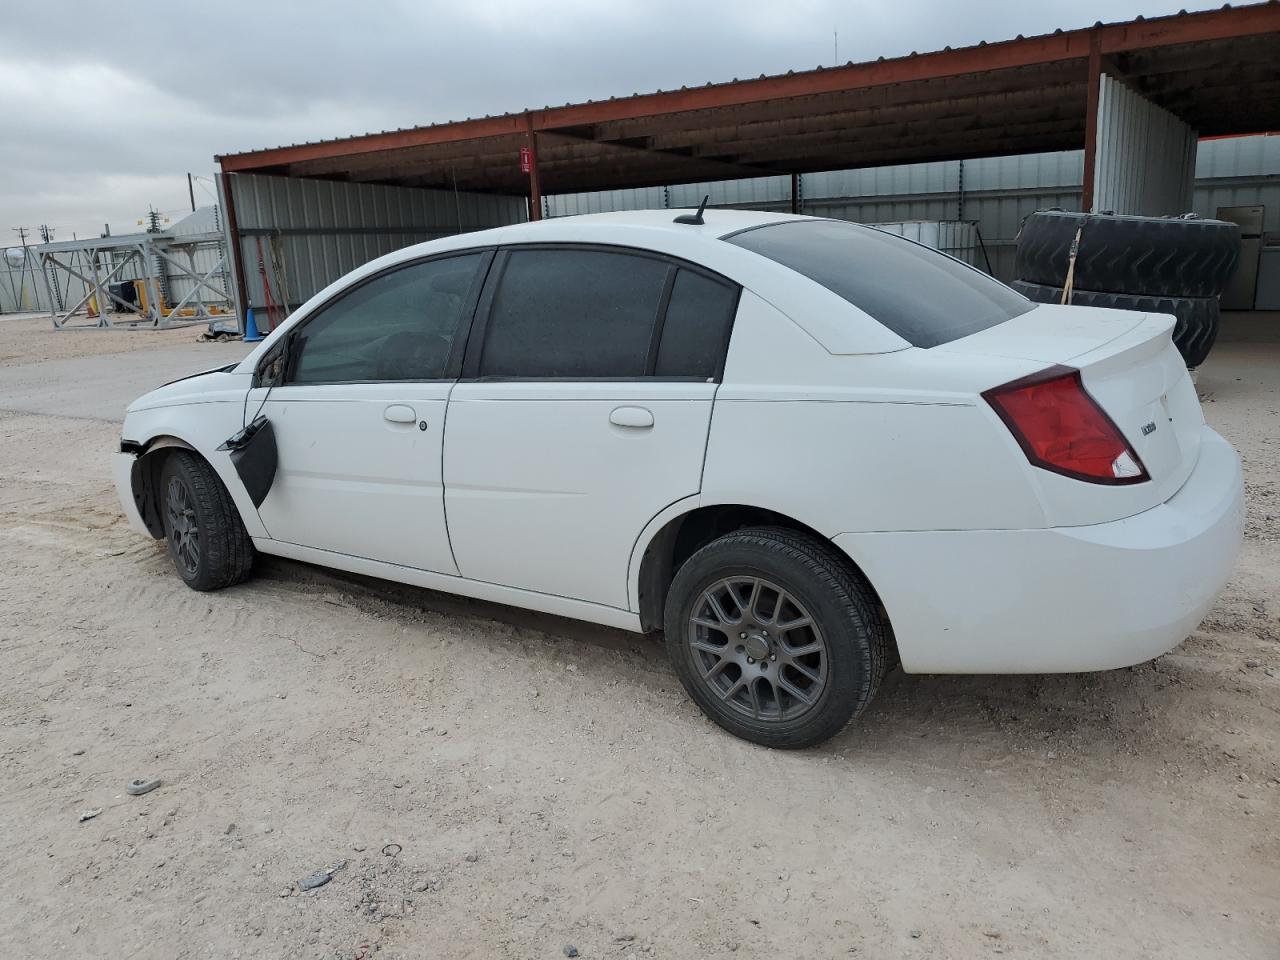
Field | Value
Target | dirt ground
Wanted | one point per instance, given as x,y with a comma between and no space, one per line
31,338
499,784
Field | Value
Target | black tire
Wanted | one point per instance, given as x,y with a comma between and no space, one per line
1194,332
198,512
818,583
1136,255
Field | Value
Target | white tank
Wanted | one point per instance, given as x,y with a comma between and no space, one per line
15,256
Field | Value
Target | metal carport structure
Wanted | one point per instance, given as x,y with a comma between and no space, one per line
1108,88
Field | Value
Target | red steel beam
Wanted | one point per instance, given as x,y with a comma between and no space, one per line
1223,24
1227,23
376,142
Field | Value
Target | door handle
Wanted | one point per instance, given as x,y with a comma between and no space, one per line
400,413
631,417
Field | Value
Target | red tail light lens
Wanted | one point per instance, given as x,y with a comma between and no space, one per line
1061,428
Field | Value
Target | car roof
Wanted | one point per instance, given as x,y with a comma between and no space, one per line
716,223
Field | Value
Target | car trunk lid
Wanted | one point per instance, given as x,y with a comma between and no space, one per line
1128,364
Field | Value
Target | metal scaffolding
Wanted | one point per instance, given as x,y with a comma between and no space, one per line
156,263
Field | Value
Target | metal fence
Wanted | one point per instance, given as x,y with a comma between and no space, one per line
22,289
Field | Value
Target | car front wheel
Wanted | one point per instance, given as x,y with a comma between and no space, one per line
207,542
775,636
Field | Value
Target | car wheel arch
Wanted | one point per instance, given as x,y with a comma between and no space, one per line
144,477
679,537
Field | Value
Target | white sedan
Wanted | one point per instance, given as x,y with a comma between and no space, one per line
804,449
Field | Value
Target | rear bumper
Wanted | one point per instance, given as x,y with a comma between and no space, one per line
1064,599
122,474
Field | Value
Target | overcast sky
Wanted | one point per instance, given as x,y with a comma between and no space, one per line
104,107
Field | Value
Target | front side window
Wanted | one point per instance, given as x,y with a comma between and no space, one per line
400,325
923,296
573,313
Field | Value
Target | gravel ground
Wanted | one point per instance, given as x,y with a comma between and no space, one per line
26,339
491,783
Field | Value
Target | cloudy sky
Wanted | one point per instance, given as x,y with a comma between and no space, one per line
104,108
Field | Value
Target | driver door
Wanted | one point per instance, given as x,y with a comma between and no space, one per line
359,415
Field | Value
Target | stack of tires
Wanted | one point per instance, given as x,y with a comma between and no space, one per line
1155,265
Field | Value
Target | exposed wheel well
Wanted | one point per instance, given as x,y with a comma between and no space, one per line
145,478
689,532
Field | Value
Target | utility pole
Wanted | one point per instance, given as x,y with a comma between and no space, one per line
835,46
20,299
191,191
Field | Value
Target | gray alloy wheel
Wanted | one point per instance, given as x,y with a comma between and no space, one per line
202,529
181,527
775,635
758,648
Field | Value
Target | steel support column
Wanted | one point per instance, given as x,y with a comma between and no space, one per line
535,188
795,193
1091,120
237,254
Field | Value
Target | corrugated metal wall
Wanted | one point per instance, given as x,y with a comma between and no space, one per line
311,232
1239,172
997,193
1145,156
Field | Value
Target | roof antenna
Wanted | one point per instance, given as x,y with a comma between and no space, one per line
694,218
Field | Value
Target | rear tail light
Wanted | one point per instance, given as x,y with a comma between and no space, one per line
1061,428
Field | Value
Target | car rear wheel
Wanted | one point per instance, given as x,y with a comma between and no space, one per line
775,636
207,542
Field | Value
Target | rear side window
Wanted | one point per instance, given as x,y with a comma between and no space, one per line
923,296
575,314
695,333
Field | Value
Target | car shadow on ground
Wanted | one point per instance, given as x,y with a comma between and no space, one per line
419,600
1047,713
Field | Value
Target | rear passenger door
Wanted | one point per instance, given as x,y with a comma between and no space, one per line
582,412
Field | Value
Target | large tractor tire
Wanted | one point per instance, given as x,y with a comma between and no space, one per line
1134,255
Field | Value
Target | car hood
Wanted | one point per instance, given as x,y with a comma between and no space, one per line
221,384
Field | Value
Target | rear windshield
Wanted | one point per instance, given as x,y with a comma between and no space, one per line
923,296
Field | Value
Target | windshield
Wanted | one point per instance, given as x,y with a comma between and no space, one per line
923,296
